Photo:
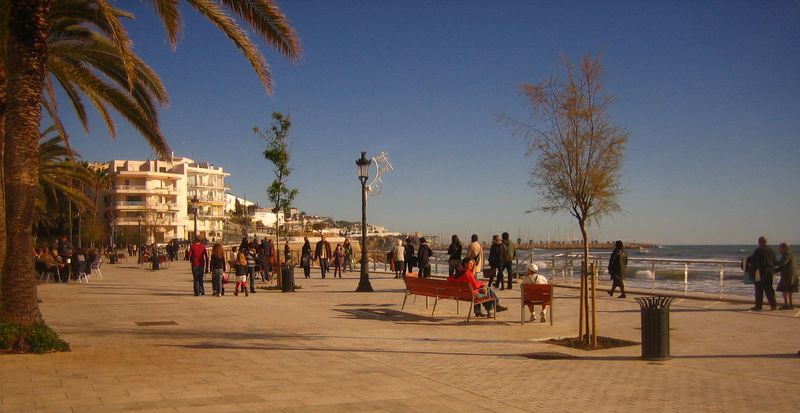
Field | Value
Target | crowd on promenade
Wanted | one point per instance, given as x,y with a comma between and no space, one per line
61,261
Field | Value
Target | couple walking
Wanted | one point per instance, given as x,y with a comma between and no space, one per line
762,265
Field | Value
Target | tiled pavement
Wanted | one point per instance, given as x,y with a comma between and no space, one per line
328,349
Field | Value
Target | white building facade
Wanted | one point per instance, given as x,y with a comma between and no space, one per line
150,201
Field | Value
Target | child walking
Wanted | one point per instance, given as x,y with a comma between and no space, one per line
241,273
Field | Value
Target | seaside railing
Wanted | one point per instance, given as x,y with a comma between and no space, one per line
565,267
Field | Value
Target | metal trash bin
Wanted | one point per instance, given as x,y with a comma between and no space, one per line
287,279
112,258
156,263
655,327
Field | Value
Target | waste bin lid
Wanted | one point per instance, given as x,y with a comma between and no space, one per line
653,303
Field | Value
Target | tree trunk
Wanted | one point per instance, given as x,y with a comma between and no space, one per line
585,277
26,55
2,179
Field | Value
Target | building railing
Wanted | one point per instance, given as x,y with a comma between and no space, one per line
153,205
141,188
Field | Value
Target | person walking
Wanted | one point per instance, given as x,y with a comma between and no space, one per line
532,276
306,257
494,258
788,282
617,265
475,253
409,255
241,273
763,264
218,267
287,253
399,260
507,256
424,254
251,258
198,256
348,254
338,260
322,253
453,255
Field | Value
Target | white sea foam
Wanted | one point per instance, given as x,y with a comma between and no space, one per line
644,274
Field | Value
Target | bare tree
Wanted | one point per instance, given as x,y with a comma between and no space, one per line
578,154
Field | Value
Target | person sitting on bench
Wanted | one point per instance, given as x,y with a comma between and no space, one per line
533,277
466,274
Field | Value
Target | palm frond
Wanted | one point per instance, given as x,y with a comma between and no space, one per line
170,16
238,36
266,20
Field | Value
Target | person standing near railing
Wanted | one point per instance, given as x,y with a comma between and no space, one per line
494,258
424,254
763,261
507,254
475,253
454,256
409,255
789,280
399,260
617,265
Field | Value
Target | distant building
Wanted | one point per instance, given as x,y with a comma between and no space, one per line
150,200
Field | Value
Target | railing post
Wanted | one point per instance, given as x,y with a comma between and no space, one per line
721,278
436,265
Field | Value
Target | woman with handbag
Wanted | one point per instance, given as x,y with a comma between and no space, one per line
454,255
305,258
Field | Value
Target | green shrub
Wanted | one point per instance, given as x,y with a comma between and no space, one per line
37,339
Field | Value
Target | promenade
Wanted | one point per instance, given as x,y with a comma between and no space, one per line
142,342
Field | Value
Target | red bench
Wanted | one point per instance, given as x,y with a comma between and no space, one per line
443,290
537,294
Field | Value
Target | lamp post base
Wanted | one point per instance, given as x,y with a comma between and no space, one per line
364,286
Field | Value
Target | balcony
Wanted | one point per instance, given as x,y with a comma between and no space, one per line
142,205
164,222
143,189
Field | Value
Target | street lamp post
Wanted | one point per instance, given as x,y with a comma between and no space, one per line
195,205
139,240
363,174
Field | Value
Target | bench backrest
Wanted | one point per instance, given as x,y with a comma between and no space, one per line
441,288
455,291
537,293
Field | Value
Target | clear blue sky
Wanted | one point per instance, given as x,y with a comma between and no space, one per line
709,92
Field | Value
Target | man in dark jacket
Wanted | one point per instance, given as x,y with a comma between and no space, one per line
424,254
65,253
495,252
507,254
409,255
617,265
323,254
763,261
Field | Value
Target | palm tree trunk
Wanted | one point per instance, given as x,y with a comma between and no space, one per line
27,51
2,178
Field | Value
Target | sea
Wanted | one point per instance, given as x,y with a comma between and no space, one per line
703,276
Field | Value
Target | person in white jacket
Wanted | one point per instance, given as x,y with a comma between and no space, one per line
532,276
399,260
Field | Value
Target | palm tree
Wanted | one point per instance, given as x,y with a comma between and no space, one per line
61,180
25,28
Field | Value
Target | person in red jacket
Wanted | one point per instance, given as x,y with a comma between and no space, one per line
466,274
198,256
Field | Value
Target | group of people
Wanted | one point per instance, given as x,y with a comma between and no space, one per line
340,257
762,265
404,256
63,261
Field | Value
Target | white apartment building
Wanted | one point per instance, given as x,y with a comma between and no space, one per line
152,199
